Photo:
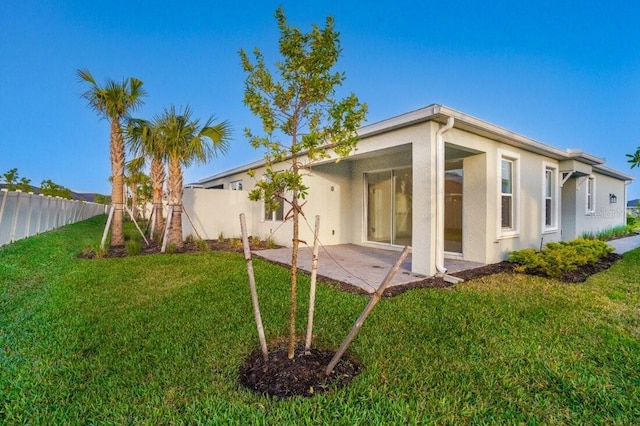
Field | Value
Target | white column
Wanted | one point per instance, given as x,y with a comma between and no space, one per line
423,205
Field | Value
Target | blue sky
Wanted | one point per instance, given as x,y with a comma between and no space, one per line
566,73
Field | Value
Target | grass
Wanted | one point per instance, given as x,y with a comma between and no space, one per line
159,340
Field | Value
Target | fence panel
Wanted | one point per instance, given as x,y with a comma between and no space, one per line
25,214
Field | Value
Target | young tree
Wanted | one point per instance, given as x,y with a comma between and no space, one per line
301,118
11,179
24,185
185,142
52,189
144,140
134,179
114,101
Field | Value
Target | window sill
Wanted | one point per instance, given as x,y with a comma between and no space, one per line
508,234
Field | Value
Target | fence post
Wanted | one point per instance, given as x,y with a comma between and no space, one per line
27,226
14,221
5,193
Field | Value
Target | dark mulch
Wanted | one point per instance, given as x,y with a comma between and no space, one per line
153,247
579,275
304,375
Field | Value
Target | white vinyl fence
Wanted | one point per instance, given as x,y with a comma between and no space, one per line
25,214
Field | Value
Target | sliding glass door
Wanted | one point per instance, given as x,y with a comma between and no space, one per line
389,213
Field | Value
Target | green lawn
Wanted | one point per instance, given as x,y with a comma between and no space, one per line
159,340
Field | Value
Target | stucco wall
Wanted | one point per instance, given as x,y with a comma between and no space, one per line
215,211
605,215
483,240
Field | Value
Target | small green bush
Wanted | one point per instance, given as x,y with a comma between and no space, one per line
190,239
221,237
203,246
270,243
134,247
557,258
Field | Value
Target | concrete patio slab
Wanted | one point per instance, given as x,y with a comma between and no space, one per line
364,267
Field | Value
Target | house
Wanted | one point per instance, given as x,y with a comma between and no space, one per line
446,183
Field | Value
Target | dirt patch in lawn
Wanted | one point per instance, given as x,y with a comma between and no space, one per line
304,375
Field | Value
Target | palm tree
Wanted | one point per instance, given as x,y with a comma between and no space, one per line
186,143
114,101
144,139
134,179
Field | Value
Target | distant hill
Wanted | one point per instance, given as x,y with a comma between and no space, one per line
89,197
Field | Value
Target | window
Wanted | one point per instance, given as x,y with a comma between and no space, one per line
275,215
508,194
591,194
550,198
236,185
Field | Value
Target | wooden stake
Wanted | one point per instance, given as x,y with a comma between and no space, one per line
252,286
367,310
136,223
312,287
166,230
106,228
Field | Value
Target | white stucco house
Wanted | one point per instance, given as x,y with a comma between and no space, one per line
446,183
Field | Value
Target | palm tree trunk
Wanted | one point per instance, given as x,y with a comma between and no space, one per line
117,171
175,199
157,181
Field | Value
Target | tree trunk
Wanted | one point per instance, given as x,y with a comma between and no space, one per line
294,277
117,171
157,182
175,199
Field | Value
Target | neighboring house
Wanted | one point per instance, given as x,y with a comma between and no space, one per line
633,207
444,182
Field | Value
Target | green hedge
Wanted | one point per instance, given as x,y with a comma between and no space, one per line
557,258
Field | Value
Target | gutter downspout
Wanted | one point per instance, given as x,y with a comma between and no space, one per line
440,196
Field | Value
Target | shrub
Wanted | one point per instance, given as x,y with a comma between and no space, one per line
190,239
270,243
556,258
221,237
609,233
203,246
134,247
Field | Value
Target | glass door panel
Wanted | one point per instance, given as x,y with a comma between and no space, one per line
389,206
379,207
453,207
403,189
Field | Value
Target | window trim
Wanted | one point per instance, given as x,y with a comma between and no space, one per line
514,230
591,179
555,197
274,213
236,185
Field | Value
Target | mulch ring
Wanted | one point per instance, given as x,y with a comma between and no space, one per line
304,375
